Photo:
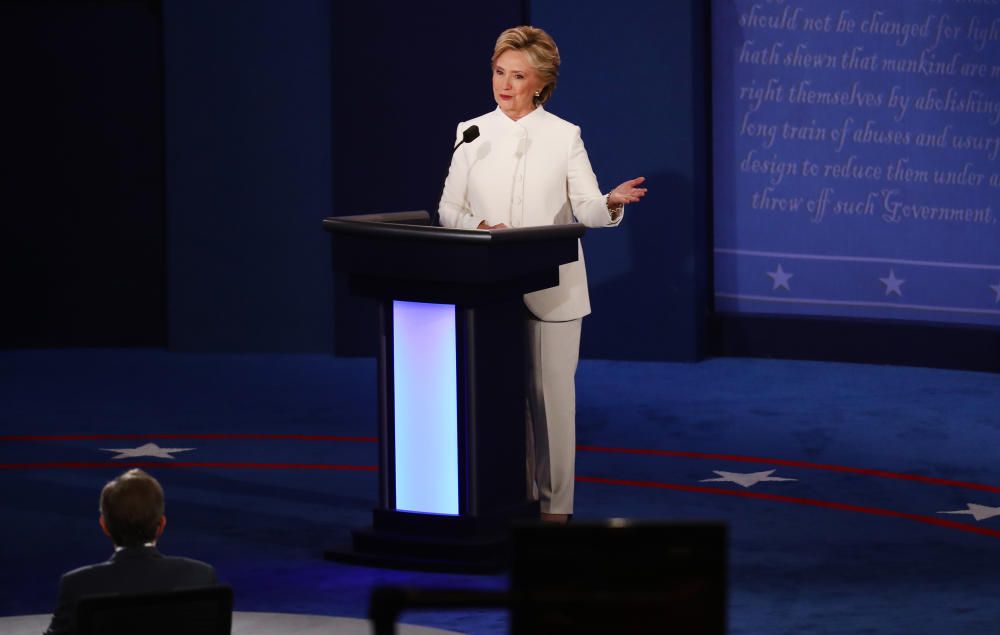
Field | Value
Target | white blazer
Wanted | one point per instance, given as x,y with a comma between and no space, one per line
530,172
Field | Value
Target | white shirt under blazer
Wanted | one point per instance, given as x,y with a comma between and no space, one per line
526,173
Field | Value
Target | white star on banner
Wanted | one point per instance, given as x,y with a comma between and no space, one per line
893,284
979,512
150,449
780,278
996,290
746,480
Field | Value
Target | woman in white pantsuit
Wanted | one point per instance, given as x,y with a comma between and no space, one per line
528,168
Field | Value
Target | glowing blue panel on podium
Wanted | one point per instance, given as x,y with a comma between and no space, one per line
425,401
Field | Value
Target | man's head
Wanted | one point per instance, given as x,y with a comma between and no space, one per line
132,509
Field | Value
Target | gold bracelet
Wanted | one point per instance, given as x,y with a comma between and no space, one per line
607,203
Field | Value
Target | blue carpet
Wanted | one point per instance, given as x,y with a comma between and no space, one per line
840,531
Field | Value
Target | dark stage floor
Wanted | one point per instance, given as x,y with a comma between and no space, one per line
860,499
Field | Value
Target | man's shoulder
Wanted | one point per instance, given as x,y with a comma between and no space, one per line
86,571
189,563
171,569
183,569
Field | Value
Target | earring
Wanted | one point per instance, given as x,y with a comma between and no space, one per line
538,93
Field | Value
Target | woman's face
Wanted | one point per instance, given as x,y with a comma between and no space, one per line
515,83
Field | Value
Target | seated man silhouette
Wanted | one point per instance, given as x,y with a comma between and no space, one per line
132,516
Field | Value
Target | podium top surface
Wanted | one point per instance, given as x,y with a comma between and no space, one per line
414,226
399,255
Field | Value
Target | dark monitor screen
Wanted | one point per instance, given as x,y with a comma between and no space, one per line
201,611
619,577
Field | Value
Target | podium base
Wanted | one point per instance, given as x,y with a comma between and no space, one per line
429,542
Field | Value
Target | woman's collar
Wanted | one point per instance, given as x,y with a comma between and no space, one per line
526,121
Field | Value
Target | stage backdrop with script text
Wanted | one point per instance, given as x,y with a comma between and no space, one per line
857,158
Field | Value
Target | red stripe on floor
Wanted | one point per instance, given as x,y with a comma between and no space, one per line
61,465
793,463
582,448
700,489
811,502
202,437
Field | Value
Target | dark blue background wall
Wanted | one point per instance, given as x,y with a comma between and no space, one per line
278,114
248,164
649,278
81,174
636,87
404,75
166,168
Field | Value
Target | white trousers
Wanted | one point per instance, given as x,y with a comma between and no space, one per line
553,353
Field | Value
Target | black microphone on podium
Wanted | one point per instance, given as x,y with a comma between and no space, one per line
468,135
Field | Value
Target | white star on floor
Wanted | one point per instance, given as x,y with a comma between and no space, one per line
150,449
996,290
979,512
893,284
780,278
746,480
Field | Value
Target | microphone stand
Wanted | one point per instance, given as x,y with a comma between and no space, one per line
468,135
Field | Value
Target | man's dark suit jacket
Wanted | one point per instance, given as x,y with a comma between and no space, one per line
131,570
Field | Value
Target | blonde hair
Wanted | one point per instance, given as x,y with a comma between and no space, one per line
541,51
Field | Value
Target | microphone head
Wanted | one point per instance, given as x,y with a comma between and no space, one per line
470,134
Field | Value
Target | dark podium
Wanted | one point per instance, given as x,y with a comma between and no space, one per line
451,382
